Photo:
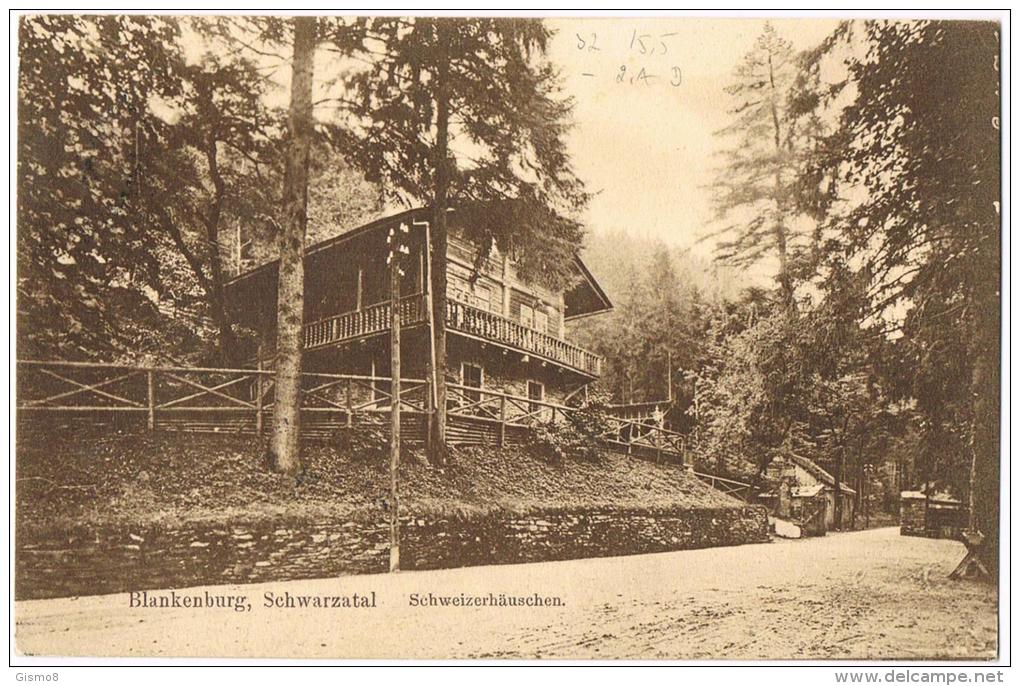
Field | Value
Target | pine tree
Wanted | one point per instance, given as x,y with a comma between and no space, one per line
484,84
760,167
920,144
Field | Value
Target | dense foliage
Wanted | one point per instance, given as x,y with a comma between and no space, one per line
865,173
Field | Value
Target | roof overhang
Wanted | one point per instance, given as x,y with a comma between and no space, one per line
583,299
586,298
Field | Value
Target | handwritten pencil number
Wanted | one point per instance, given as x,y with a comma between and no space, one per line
590,45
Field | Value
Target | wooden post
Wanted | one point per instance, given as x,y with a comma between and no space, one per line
669,376
504,282
430,316
502,422
151,382
258,394
429,405
350,404
395,261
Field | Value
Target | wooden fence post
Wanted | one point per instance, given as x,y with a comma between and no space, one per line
501,441
350,404
258,401
151,383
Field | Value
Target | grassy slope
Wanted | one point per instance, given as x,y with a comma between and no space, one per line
67,480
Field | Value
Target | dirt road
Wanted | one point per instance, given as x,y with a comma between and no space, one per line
863,595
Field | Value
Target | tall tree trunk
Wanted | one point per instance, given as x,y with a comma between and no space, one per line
284,445
983,499
227,342
837,510
837,491
785,280
440,200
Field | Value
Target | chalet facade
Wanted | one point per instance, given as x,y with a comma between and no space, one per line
503,334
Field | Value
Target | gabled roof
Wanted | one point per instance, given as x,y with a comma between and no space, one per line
343,237
584,299
602,301
807,491
817,472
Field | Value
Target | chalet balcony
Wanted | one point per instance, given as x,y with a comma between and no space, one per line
365,322
460,318
487,326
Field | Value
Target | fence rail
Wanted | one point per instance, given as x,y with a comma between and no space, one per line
737,489
163,392
166,394
160,391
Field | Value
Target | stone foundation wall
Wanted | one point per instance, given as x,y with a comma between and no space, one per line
87,562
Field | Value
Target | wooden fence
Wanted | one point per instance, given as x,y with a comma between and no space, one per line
507,411
241,401
205,398
737,489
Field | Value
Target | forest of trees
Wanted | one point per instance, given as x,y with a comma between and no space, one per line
867,170
153,165
149,154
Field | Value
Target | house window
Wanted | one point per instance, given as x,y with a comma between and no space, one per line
535,317
471,376
528,316
481,296
536,391
541,321
457,289
475,294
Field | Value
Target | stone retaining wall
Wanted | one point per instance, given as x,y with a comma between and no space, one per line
87,562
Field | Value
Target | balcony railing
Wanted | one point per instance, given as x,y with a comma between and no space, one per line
459,317
365,322
494,327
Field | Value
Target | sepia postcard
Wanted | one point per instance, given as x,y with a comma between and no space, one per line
509,338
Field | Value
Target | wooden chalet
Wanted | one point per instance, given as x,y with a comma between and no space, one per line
503,334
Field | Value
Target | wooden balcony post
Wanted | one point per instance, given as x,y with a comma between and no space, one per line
150,377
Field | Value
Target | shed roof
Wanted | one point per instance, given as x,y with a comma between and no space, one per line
939,498
817,472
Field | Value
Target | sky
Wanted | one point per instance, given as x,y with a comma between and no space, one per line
646,148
